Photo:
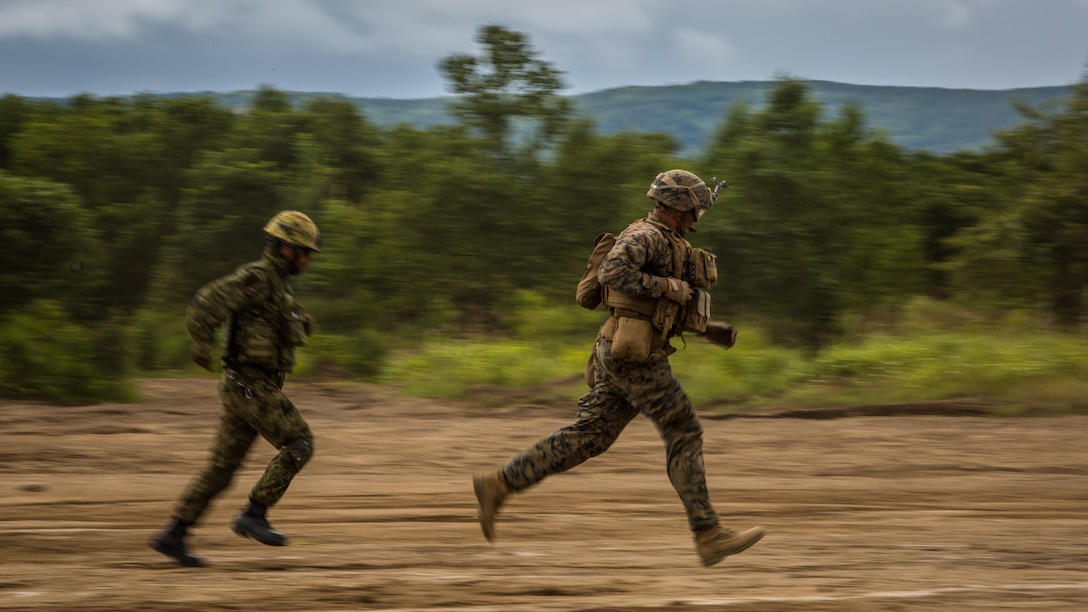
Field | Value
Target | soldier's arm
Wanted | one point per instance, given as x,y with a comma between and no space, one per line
621,269
213,303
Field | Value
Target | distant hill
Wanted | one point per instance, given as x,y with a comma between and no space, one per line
917,118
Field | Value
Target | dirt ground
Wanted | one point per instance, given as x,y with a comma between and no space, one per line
874,512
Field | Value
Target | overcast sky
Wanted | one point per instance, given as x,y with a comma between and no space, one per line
389,48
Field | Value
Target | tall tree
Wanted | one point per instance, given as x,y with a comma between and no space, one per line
508,92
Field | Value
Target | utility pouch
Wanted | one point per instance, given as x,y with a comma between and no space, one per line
698,313
664,317
632,339
706,268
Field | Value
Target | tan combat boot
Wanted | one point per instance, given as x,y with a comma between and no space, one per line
491,491
717,543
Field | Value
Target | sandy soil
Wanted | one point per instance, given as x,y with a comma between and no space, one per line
887,512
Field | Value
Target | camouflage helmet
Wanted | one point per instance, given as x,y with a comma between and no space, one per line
680,190
293,228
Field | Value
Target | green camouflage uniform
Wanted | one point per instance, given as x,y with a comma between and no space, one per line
265,325
622,389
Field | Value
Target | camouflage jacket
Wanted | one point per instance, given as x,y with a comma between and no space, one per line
639,261
264,323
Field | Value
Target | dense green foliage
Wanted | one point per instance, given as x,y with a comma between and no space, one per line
116,210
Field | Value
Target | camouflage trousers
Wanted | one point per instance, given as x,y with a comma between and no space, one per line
621,390
253,403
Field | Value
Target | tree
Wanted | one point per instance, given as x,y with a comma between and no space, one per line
1033,243
506,84
126,159
347,142
815,223
48,243
14,111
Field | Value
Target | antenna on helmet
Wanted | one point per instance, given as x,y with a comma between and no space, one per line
717,186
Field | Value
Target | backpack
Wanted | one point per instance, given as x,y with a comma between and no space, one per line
589,288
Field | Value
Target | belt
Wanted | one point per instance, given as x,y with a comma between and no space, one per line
241,373
656,341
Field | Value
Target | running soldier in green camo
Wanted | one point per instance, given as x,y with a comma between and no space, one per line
653,283
264,325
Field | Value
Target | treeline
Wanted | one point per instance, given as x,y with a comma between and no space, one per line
113,211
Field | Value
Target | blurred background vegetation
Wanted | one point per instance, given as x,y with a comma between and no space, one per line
855,270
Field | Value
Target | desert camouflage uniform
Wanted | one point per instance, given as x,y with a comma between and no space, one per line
259,309
623,389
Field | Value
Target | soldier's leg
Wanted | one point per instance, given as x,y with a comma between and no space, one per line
233,438
654,389
602,416
661,398
279,422
274,416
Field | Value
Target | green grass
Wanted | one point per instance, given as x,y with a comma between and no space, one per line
930,351
451,368
1029,371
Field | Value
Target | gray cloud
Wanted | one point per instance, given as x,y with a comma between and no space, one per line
389,48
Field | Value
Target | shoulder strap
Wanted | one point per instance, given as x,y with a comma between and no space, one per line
681,248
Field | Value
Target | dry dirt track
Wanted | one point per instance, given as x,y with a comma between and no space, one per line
863,513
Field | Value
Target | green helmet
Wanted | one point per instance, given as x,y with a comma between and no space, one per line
293,228
680,190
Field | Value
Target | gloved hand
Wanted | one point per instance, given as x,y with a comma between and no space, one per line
721,333
201,354
678,291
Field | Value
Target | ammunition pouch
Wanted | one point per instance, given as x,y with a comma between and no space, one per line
704,269
697,314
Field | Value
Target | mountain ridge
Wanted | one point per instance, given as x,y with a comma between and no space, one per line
935,119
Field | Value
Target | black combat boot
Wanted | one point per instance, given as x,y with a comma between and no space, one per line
171,542
252,523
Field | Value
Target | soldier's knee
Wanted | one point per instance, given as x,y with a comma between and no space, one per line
300,451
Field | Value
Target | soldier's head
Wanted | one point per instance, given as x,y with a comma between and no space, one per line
293,237
681,196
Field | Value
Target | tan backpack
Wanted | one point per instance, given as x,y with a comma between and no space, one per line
589,288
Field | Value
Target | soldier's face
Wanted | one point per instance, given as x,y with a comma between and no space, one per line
299,258
302,258
691,217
